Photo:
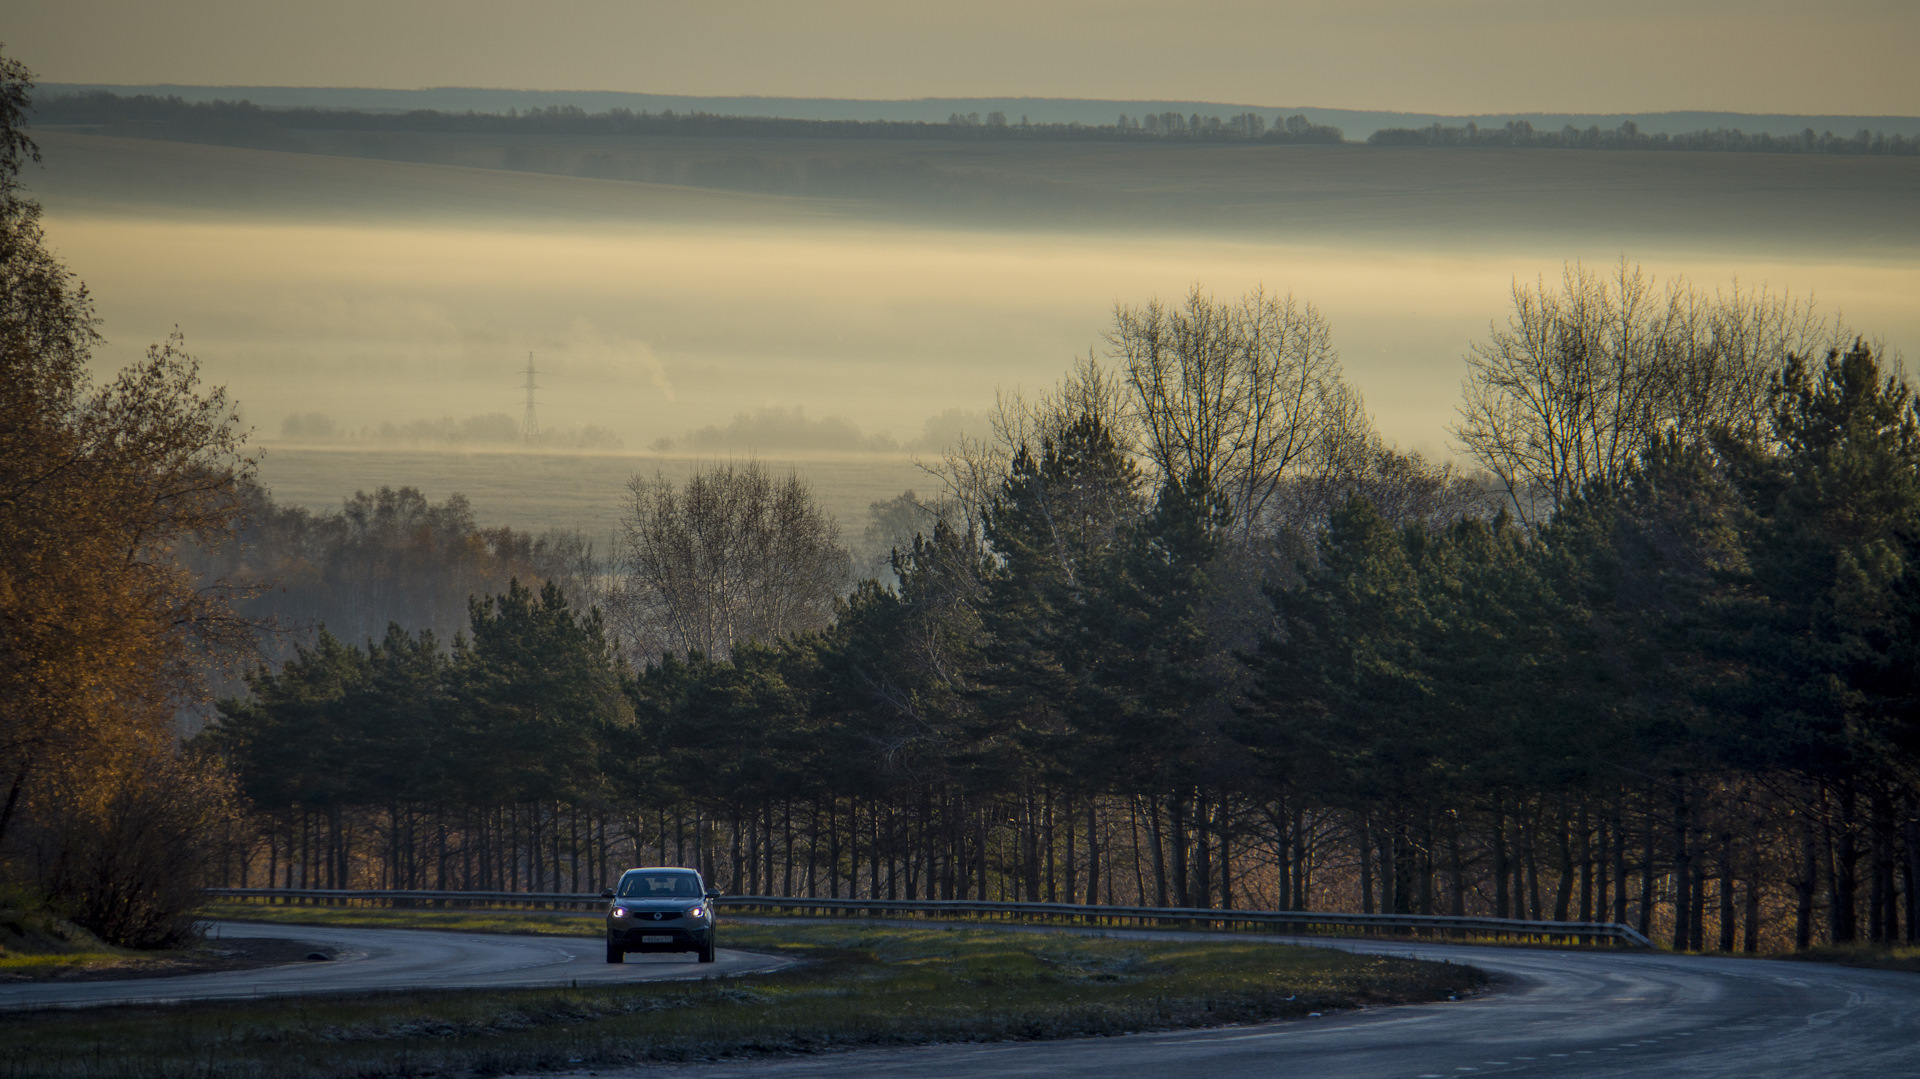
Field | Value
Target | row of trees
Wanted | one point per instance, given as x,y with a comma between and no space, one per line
174,117
1628,136
1184,632
494,427
391,555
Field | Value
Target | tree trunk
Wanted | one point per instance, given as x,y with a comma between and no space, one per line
1366,866
1726,892
1159,853
1584,836
1200,893
1804,887
1457,870
1682,878
18,784
1046,841
833,849
1845,874
1502,904
1563,888
1223,828
1093,852
1071,866
1912,830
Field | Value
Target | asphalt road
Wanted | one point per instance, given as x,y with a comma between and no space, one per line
1569,1014
1573,1014
370,960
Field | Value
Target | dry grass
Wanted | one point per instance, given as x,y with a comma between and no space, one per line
458,921
36,944
1871,956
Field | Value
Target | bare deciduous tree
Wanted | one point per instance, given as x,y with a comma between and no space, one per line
1246,395
971,469
1585,376
733,555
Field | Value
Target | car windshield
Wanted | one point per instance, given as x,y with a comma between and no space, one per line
659,886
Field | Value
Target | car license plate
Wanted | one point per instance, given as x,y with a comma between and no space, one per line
656,940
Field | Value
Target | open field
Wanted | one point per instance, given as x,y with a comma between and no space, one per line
855,986
1751,202
534,491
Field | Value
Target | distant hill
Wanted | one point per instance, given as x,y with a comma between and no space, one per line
1358,124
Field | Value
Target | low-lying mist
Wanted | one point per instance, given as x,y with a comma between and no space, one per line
654,333
346,306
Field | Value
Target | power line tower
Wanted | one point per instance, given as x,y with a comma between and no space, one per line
530,423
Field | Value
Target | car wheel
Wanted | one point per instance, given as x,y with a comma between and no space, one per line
706,952
615,954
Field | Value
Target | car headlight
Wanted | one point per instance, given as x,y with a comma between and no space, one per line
697,912
619,912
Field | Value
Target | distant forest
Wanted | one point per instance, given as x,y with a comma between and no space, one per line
173,117
1628,136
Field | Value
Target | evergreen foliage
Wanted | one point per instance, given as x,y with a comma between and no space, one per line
1684,700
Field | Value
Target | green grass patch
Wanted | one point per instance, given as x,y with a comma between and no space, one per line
855,985
36,943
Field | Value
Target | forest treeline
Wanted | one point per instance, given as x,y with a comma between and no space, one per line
1185,632
492,428
1628,136
389,555
174,117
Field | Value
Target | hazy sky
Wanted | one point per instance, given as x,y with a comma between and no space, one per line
1450,56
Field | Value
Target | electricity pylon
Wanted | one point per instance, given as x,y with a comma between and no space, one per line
530,423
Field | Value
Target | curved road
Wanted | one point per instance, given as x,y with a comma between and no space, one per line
381,959
1560,1014
1571,1014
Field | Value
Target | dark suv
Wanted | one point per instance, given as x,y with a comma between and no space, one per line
659,910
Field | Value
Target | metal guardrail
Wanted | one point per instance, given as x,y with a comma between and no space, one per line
409,897
1299,921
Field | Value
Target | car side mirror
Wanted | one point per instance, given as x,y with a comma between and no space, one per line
713,893
606,893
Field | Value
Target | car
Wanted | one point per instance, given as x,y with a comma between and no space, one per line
660,910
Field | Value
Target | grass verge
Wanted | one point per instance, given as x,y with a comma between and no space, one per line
539,923
1870,956
856,986
37,944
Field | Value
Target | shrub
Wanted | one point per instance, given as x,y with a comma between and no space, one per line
125,854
